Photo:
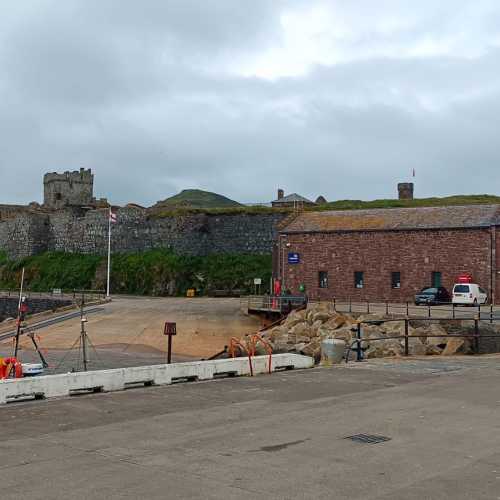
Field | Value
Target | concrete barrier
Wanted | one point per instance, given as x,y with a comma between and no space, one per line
67,384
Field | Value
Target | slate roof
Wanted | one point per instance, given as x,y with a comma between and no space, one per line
393,219
293,198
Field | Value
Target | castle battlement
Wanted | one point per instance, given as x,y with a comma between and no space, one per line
82,175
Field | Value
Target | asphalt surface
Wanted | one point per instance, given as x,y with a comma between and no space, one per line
281,436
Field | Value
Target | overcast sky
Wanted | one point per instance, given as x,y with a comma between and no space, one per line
341,98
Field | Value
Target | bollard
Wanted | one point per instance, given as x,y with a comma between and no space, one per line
491,313
359,354
429,310
367,307
387,308
476,336
407,309
406,336
350,305
453,310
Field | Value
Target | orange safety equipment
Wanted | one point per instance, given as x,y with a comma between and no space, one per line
10,368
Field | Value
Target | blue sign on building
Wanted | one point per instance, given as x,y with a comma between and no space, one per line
293,258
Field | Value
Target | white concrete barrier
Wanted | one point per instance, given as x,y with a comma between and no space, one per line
67,384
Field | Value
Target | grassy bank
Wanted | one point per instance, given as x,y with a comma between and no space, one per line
157,272
479,199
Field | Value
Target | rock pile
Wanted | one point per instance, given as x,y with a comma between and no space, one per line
303,332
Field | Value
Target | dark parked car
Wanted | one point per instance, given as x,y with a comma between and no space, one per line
432,296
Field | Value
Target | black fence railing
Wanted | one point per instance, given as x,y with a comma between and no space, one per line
437,311
274,303
361,344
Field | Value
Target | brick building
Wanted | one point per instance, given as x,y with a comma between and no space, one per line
389,254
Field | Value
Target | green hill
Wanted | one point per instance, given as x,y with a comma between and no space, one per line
197,198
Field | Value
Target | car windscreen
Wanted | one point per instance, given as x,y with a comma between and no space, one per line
429,291
461,289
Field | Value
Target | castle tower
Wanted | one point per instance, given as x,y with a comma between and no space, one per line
405,190
68,189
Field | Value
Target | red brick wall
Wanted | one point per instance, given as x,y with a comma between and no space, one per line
415,254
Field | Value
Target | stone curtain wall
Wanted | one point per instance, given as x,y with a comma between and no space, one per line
9,305
415,254
26,234
198,234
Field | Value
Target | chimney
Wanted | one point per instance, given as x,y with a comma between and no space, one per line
281,194
405,190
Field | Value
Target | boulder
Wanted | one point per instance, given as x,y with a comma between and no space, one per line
320,316
313,332
295,317
435,329
454,345
418,349
300,347
313,349
301,329
278,332
432,350
336,321
395,327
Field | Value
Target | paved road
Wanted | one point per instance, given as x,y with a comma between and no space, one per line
270,437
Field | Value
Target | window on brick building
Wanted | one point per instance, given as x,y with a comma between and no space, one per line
436,279
396,280
359,279
323,279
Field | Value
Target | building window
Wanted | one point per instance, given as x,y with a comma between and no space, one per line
358,279
436,279
323,279
396,280
58,196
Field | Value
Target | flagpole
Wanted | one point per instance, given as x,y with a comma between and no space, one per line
109,252
19,315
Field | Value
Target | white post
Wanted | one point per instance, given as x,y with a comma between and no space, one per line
21,291
109,252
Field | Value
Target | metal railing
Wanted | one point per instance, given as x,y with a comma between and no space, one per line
270,303
87,295
361,343
436,311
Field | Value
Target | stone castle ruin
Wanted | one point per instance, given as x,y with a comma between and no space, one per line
72,220
68,189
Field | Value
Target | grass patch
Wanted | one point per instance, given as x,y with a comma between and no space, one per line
157,272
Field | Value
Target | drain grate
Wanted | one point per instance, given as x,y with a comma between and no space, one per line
368,438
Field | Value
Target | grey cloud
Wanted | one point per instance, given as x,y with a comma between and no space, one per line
145,93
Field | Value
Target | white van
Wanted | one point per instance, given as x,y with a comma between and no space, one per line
469,294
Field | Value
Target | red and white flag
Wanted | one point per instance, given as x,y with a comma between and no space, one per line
112,217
